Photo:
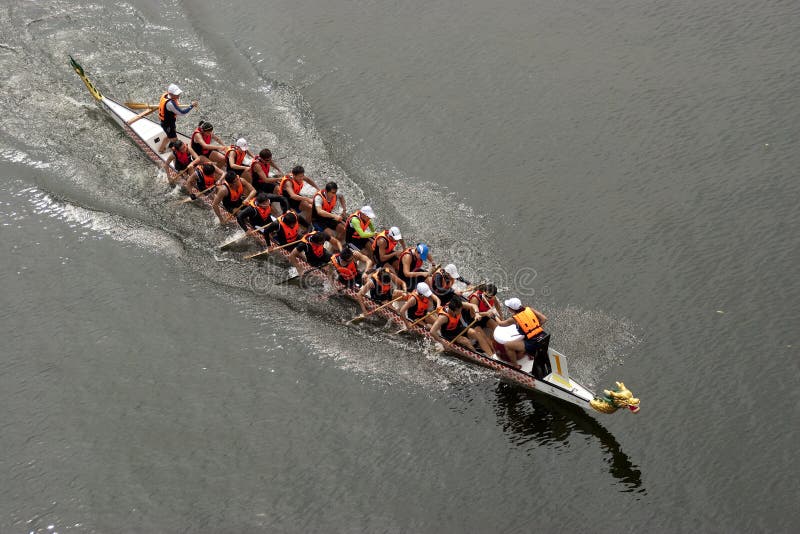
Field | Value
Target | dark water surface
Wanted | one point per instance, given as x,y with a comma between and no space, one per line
629,167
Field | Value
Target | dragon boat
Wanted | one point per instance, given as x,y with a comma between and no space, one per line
148,135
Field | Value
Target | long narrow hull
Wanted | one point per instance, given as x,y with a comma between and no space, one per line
148,135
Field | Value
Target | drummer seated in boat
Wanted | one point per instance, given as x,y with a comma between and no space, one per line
232,194
291,185
387,245
449,326
311,249
323,218
234,157
202,178
532,339
346,263
417,308
360,229
259,172
382,285
201,140
257,212
285,230
182,158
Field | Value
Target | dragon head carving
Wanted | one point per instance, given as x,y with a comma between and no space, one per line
614,399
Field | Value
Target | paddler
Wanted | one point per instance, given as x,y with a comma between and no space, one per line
449,325
382,286
234,156
183,157
259,172
346,267
418,305
410,264
360,229
201,178
287,229
258,211
232,193
533,341
202,137
441,282
323,217
387,246
168,109
291,185
312,249
485,298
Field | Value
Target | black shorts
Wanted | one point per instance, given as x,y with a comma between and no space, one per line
446,296
230,206
293,204
263,187
237,171
179,166
323,223
536,348
315,261
360,242
169,129
450,335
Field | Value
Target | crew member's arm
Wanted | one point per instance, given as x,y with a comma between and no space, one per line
310,181
343,203
249,189
542,317
175,108
232,161
295,195
399,282
436,328
408,273
358,256
198,138
361,295
280,199
404,309
321,212
219,197
365,234
270,229
244,217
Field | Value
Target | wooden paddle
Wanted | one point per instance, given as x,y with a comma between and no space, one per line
453,341
246,234
270,250
140,116
197,196
404,329
361,316
140,105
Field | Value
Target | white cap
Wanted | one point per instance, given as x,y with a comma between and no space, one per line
174,89
394,233
367,210
451,270
424,290
242,143
513,303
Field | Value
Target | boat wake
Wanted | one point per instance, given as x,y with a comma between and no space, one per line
91,175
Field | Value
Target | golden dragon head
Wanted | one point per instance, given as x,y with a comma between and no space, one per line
614,399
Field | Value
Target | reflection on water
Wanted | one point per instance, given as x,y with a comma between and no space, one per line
547,421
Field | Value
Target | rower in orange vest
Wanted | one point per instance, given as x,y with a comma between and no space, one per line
382,286
450,324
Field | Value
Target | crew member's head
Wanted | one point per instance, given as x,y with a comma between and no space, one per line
422,251
513,304
290,217
298,170
205,126
331,187
455,304
230,177
241,143
385,276
490,289
265,154
209,169
346,254
317,238
262,198
366,213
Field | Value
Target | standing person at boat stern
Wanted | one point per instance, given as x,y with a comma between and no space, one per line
168,109
534,341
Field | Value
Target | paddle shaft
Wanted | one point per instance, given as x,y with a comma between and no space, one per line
140,116
140,105
203,192
269,250
418,321
453,342
246,234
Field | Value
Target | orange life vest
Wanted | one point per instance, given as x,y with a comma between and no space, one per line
296,185
453,321
484,304
206,139
379,287
347,272
264,166
416,263
240,154
422,304
162,107
289,232
235,191
208,179
316,249
528,323
264,213
390,242
184,158
326,204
